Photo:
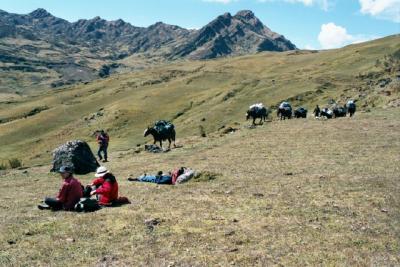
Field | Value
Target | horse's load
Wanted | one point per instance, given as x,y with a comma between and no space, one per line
256,107
163,127
285,105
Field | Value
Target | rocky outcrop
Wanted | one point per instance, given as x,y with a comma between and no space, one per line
76,154
233,35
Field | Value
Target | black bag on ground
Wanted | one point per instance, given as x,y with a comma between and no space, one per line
87,205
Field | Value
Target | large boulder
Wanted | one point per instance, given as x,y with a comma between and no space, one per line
76,154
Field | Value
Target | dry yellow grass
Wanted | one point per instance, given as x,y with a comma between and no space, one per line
291,193
218,91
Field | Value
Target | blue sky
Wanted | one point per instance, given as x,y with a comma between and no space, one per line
307,23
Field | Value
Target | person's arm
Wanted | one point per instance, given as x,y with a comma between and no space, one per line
105,188
98,181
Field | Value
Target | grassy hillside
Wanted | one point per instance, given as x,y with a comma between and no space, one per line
292,193
207,94
288,193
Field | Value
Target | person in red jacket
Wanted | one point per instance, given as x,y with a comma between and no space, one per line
176,173
102,139
107,187
70,192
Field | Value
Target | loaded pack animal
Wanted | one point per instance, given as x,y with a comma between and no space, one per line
257,112
351,108
300,113
339,112
284,111
327,113
162,131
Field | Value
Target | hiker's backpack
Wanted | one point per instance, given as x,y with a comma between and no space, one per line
87,205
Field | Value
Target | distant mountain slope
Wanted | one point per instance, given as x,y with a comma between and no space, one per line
41,50
233,35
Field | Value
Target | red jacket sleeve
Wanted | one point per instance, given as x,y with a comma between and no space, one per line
175,176
98,181
62,195
105,188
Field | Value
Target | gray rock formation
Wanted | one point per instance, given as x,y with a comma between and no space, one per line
76,154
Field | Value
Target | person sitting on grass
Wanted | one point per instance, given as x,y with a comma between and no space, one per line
106,186
70,192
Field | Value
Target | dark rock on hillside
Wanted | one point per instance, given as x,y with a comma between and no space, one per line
76,154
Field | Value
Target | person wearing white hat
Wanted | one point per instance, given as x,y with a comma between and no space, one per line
105,185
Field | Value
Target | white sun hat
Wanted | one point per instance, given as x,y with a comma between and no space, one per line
101,171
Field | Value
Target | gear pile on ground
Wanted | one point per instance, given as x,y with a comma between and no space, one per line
76,154
154,149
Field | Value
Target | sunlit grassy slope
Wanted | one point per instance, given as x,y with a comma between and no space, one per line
207,94
292,193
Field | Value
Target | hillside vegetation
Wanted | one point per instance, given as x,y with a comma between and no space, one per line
291,193
197,96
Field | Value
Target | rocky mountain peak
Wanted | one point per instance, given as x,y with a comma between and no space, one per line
245,14
40,13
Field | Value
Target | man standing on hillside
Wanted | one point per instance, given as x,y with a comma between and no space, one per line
102,139
317,111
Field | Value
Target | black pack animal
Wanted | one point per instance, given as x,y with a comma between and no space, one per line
162,131
260,113
339,112
326,113
300,113
284,111
351,108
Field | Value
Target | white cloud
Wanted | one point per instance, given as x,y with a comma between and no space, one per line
324,4
384,9
334,36
309,47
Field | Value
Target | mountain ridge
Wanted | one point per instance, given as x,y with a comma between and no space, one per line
89,48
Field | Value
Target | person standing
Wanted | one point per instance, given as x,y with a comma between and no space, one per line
103,140
317,111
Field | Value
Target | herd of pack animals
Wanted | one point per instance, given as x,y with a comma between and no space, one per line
258,111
